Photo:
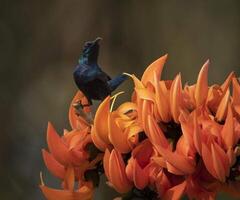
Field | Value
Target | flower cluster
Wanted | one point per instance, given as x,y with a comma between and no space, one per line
169,141
72,157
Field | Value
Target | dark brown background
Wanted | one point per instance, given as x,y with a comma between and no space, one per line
40,42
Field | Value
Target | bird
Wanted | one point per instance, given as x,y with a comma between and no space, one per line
89,77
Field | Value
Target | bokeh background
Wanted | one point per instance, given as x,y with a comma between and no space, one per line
40,43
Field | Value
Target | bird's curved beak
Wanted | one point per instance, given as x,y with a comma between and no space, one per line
97,40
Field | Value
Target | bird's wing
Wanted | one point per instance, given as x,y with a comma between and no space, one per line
85,74
103,76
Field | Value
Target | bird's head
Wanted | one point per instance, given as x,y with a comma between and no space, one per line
91,49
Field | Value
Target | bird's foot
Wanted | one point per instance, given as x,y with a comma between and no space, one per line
80,110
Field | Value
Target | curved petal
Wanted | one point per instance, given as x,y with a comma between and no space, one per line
183,163
236,91
176,98
106,158
207,159
100,124
176,192
162,99
227,82
201,90
197,136
100,144
217,164
118,138
227,132
155,134
222,108
157,67
53,166
117,173
77,121
56,146
140,176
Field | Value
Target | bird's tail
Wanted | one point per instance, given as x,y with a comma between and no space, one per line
115,82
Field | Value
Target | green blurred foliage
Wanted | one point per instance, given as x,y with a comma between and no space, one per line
40,42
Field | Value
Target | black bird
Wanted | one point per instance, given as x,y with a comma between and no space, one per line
89,77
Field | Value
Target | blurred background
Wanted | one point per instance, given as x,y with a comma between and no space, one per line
40,43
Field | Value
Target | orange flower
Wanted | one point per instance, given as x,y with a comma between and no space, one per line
84,191
115,171
118,128
139,165
190,143
67,151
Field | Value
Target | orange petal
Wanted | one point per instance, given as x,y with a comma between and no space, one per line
140,176
56,146
145,94
99,143
147,109
176,192
223,158
117,173
227,82
176,98
157,67
228,130
117,137
76,121
207,159
201,90
69,179
127,106
222,108
162,100
183,163
53,166
100,121
197,136
155,134
217,164
236,90
106,158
